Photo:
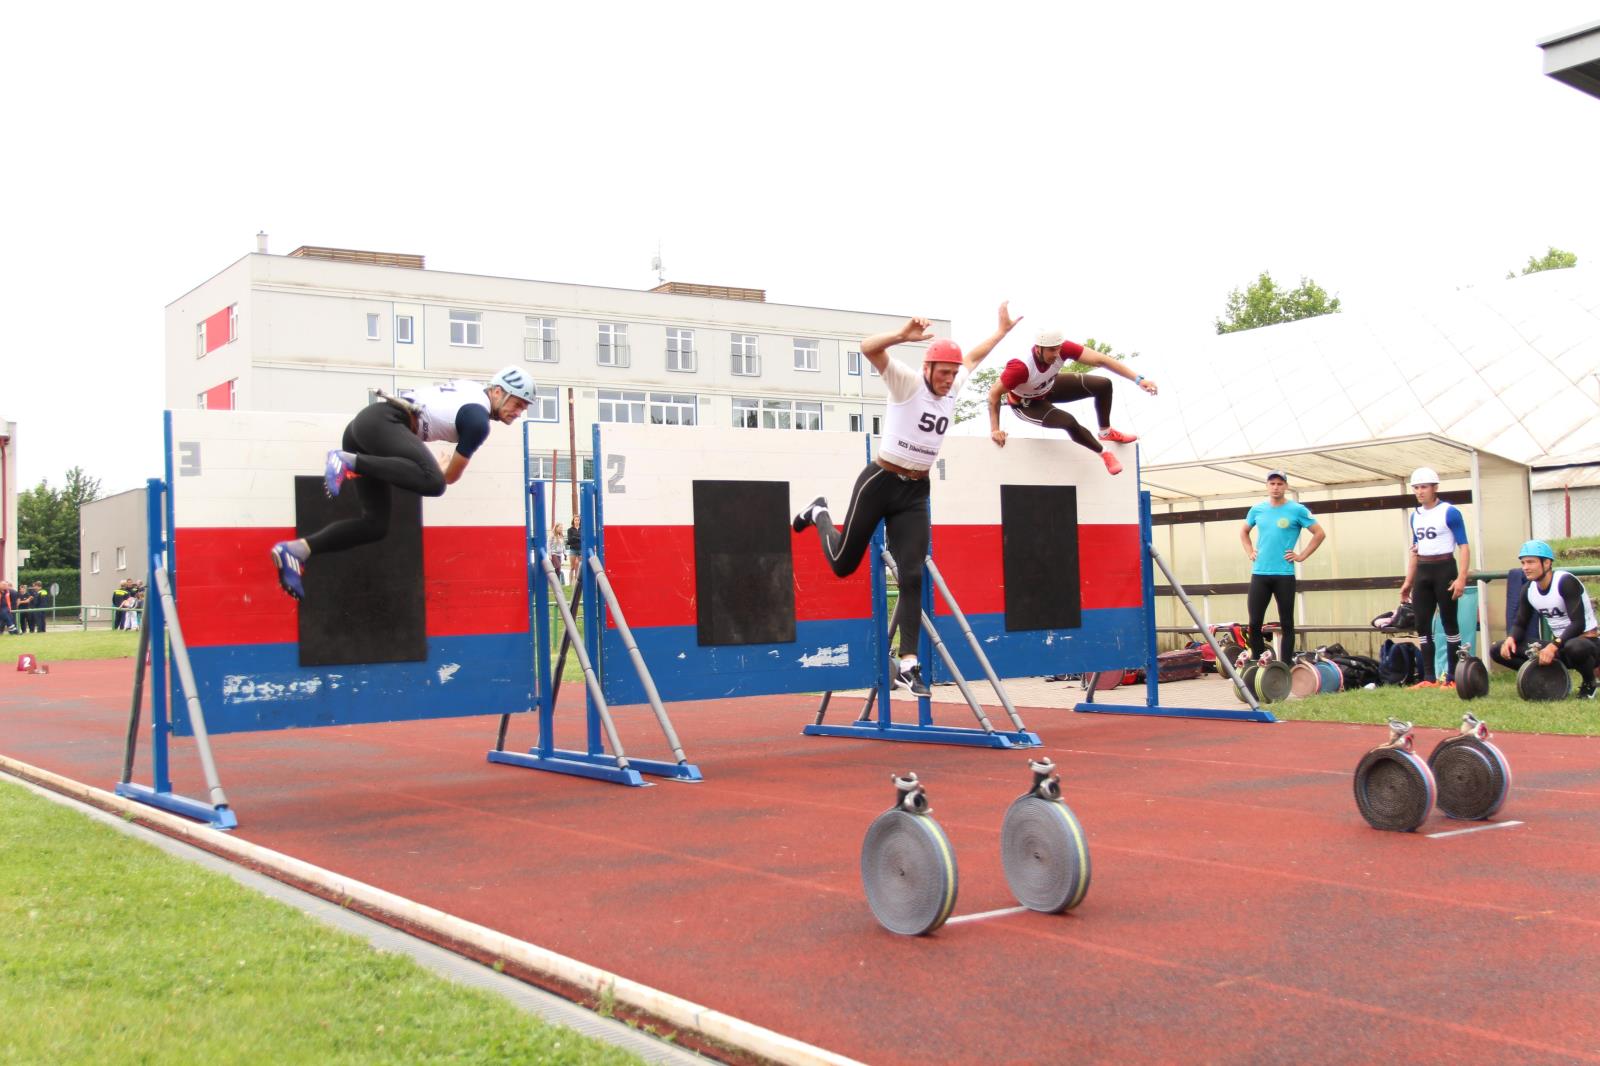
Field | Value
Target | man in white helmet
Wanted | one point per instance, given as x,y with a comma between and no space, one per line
386,445
1436,573
1033,386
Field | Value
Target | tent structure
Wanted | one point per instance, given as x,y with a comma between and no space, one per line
1360,493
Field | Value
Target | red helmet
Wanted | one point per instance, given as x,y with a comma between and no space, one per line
943,350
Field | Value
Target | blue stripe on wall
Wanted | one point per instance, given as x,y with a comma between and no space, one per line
250,687
828,655
1110,639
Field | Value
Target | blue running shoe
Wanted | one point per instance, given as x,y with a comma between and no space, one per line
336,473
289,573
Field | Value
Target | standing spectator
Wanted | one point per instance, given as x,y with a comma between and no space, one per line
1278,522
132,605
574,548
1436,574
118,596
25,606
42,602
8,608
558,550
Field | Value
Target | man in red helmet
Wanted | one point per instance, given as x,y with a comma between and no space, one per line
894,487
1032,387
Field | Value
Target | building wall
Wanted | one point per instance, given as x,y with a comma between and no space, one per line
8,501
302,344
113,536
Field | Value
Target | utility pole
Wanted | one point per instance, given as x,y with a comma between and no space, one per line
572,446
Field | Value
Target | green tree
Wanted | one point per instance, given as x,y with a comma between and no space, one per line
1553,259
974,399
1104,348
47,519
1266,304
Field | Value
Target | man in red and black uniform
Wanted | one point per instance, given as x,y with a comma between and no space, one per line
1033,386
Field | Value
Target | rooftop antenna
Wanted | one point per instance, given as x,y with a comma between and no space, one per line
655,264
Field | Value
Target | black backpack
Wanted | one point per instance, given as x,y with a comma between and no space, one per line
1359,670
1399,663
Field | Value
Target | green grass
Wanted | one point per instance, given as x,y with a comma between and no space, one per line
113,952
60,645
1502,708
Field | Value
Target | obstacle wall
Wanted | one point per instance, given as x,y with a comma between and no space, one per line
1055,587
432,622
721,595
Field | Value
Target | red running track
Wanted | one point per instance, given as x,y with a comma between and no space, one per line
1240,909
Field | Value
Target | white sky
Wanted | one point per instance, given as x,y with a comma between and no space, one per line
1112,168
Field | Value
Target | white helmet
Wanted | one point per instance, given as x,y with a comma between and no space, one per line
515,382
1048,338
1424,475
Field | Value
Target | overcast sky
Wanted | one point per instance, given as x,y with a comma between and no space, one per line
1114,169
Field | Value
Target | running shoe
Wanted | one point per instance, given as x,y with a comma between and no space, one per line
1116,436
804,520
911,679
289,573
1425,684
1586,692
336,473
1112,465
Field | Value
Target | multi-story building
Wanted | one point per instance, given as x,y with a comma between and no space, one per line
321,328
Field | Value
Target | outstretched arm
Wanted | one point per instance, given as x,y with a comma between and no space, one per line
996,394
876,347
454,467
1090,357
981,350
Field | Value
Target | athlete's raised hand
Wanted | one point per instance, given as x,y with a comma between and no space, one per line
1148,385
917,329
1007,323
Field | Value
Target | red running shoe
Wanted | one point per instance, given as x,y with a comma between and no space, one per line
1112,465
1116,436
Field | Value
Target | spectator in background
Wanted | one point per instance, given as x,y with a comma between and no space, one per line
133,605
1562,601
574,548
1436,574
8,608
42,603
1278,522
558,550
25,605
118,596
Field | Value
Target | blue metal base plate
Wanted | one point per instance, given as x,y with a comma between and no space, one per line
221,818
1177,712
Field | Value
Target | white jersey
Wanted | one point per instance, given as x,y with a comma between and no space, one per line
1437,531
1039,381
917,420
1553,606
441,403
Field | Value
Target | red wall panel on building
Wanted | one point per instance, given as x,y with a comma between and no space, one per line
217,329
220,398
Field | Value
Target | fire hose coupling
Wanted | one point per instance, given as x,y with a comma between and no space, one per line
910,796
1046,782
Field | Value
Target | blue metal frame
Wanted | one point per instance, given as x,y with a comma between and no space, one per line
159,794
1152,669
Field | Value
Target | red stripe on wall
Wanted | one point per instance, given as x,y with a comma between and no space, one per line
220,398
474,577
652,570
973,565
217,330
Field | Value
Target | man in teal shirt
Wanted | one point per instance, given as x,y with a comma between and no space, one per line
1278,522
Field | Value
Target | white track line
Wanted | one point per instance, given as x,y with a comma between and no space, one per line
1474,829
985,914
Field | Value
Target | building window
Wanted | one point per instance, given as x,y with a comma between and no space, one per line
806,355
466,329
680,349
233,323
372,326
544,407
872,371
539,343
776,414
200,401
877,425
746,360
559,467
855,423
122,558
807,415
613,346
94,562
667,409
402,329
746,413
852,363
199,340
618,406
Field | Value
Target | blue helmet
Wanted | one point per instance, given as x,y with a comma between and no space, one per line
1536,549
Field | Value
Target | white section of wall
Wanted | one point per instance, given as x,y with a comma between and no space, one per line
237,469
970,470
